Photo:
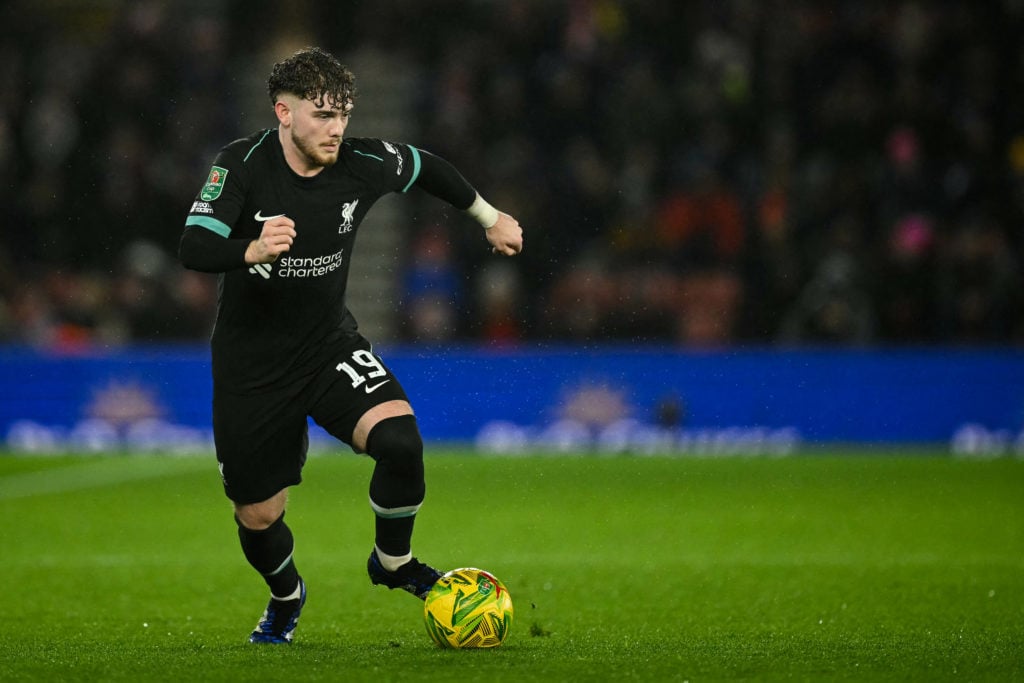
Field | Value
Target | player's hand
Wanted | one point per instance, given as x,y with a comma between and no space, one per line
505,236
276,238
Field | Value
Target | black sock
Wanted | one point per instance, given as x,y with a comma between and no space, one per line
269,551
397,486
394,535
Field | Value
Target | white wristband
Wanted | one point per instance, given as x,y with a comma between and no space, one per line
485,214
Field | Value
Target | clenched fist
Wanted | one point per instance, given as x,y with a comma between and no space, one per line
505,236
276,238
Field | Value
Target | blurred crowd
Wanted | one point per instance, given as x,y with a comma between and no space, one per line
696,174
109,114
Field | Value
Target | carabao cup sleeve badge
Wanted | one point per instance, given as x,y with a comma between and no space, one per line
214,184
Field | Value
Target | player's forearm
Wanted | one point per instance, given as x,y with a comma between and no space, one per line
202,250
441,179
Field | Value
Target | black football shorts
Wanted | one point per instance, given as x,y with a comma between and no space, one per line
262,437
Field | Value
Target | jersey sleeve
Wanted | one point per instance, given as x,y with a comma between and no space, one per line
206,243
441,179
219,201
392,166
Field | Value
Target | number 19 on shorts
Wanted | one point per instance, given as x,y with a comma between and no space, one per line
368,368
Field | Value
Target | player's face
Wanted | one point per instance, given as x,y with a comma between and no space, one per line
317,132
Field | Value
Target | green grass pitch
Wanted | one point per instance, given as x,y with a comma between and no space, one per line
831,566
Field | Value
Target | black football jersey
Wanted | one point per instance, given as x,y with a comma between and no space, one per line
274,320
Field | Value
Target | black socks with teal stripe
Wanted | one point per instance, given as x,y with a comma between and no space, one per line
269,551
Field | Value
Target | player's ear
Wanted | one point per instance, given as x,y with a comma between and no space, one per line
283,111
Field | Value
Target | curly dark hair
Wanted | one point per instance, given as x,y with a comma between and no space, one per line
315,75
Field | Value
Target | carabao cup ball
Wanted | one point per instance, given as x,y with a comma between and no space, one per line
467,608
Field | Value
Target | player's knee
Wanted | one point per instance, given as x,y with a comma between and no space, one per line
261,515
395,442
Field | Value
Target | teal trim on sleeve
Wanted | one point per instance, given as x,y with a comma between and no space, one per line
415,167
210,224
364,154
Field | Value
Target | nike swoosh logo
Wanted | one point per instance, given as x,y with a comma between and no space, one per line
261,218
375,387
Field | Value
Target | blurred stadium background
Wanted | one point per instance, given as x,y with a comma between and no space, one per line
749,225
